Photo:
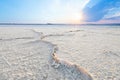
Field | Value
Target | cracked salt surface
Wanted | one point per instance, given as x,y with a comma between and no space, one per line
27,53
95,49
25,56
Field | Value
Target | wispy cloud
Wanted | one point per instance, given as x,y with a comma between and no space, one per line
101,10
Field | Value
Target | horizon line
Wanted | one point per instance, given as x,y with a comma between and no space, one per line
59,24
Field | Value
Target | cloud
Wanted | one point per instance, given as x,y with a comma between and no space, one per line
113,18
96,12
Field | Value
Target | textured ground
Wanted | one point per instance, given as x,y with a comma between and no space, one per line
25,56
96,49
26,53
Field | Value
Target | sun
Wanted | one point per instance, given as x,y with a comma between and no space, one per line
71,18
76,18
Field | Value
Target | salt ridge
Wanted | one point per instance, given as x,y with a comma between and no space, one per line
70,70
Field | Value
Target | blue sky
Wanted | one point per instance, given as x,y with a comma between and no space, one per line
60,11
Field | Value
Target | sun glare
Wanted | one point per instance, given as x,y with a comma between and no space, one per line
71,18
76,18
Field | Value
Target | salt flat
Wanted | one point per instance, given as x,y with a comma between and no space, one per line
27,53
